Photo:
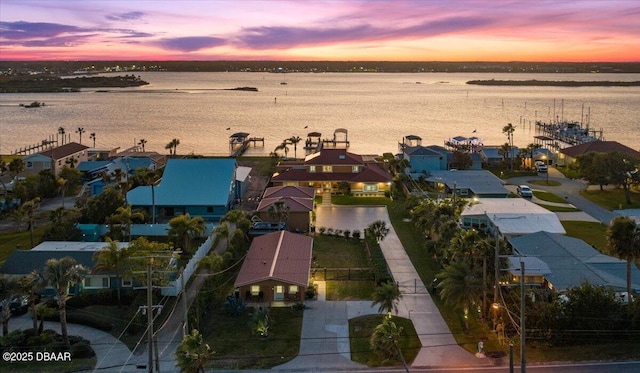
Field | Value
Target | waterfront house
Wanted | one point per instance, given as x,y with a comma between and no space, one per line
492,157
569,155
469,183
203,187
299,202
509,217
327,170
276,268
558,262
426,159
70,154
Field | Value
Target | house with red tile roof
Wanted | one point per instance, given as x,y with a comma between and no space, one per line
568,155
70,154
326,170
276,268
299,202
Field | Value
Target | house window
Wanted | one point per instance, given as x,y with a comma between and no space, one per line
312,168
327,168
127,282
355,169
29,164
293,289
59,163
370,187
209,209
255,290
96,282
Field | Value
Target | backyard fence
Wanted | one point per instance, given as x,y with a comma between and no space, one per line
175,287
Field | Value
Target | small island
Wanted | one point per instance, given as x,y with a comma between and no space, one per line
51,83
555,83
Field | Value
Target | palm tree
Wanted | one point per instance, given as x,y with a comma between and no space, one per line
531,149
80,131
294,140
623,237
169,147
509,129
223,232
60,274
113,259
92,136
183,227
28,210
125,216
193,354
387,296
71,162
16,166
284,147
279,210
385,339
61,132
8,289
32,284
142,143
62,187
378,230
174,144
460,286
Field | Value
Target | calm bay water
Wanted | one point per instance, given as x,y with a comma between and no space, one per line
377,109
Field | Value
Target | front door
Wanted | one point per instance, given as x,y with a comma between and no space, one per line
278,292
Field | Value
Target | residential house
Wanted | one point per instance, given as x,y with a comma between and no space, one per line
426,159
328,169
492,157
559,263
509,217
22,262
469,183
276,268
299,202
569,155
70,154
203,187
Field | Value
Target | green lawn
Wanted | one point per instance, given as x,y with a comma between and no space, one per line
595,234
612,199
237,348
558,208
12,240
548,196
361,329
338,252
350,290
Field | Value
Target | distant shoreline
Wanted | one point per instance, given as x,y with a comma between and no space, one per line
48,84
555,83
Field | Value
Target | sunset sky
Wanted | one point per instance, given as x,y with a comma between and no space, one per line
399,30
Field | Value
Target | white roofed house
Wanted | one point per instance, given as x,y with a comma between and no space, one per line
509,217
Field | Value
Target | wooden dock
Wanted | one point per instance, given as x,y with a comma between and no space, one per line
338,139
556,135
36,148
240,142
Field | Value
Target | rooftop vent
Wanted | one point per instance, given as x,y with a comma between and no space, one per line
341,156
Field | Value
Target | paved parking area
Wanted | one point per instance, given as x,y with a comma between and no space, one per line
350,217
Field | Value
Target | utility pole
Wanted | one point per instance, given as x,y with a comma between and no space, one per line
150,316
523,360
496,276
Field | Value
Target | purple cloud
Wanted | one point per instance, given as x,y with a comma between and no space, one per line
28,30
129,16
191,43
287,37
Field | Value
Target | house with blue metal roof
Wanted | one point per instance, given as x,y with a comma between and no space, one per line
203,187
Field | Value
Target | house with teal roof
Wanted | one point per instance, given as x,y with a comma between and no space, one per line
203,187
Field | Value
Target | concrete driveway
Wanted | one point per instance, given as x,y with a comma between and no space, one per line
349,217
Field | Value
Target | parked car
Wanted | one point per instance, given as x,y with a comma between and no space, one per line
19,305
524,191
541,168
